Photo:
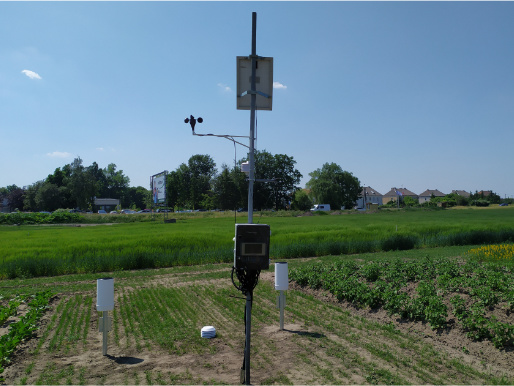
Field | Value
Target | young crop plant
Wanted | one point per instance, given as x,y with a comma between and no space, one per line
396,303
476,323
509,297
449,284
485,295
436,312
371,271
459,307
62,336
448,268
502,333
24,328
10,310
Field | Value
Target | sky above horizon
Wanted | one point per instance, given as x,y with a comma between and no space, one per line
418,95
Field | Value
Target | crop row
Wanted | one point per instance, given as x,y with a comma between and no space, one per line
10,309
24,328
422,290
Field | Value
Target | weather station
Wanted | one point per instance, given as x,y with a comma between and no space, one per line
251,241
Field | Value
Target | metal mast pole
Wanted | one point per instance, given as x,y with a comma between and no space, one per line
251,180
253,97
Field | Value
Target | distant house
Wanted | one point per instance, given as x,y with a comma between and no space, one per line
107,204
368,196
461,193
428,194
394,193
485,193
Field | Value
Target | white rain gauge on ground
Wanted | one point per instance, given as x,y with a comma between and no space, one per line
104,304
281,284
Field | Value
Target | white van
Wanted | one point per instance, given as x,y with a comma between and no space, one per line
318,207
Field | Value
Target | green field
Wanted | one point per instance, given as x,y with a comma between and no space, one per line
37,250
363,312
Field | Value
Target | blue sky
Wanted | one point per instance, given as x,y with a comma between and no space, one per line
417,95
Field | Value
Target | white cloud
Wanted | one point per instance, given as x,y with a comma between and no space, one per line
31,74
224,87
100,148
59,154
278,85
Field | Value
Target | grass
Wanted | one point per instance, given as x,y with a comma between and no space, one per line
33,251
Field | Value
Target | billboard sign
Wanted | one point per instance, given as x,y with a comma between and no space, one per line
158,184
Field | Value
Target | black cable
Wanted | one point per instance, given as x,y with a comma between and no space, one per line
243,366
248,279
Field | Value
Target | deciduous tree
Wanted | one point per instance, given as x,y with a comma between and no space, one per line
332,185
202,169
115,182
15,196
301,200
282,179
226,189
48,197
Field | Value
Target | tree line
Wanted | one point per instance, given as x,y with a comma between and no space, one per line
453,199
75,186
198,185
195,184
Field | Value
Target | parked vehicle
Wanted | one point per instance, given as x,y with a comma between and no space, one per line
321,207
101,211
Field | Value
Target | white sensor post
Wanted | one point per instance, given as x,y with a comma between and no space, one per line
104,304
281,284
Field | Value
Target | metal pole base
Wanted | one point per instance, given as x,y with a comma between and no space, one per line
248,317
104,326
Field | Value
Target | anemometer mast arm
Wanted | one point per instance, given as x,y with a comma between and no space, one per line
229,137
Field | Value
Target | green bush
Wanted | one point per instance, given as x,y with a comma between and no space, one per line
58,217
399,243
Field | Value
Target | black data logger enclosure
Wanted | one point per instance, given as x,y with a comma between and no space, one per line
251,250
